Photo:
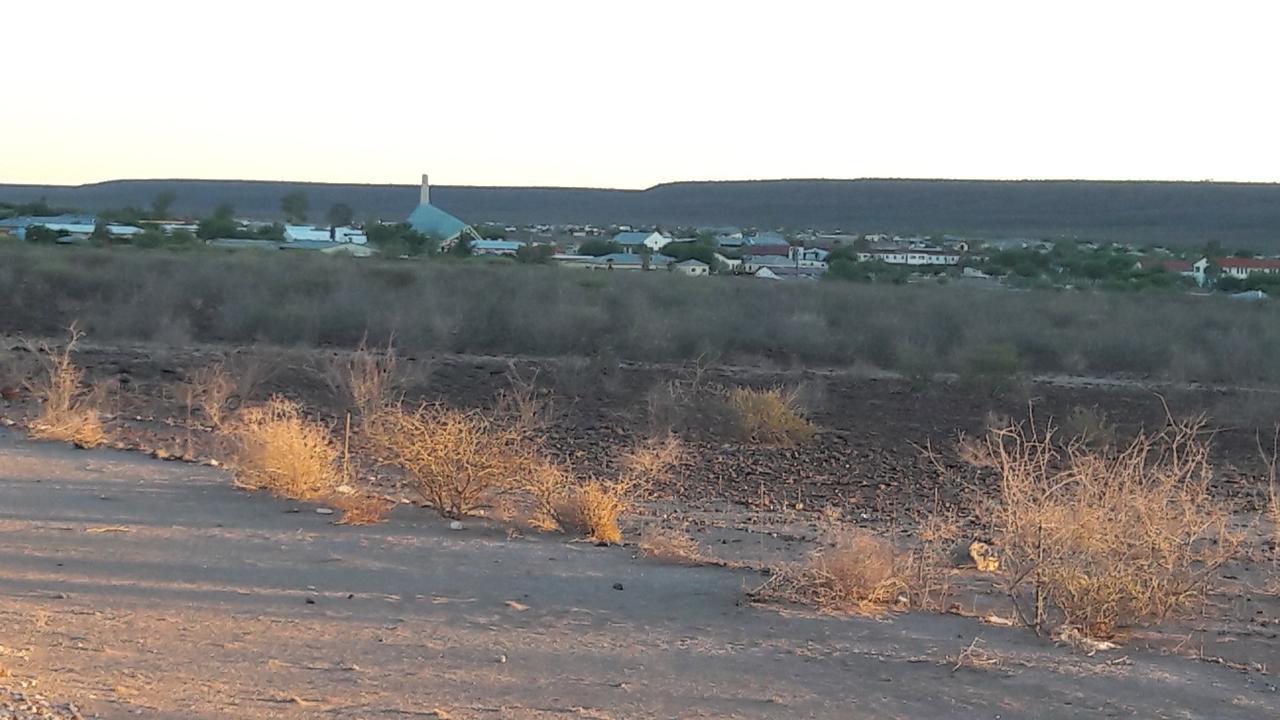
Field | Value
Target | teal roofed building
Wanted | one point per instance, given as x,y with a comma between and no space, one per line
434,222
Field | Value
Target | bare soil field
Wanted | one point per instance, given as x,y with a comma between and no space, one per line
141,588
136,588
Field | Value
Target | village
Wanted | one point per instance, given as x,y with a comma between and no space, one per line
807,254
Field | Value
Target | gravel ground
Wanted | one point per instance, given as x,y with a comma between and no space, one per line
16,705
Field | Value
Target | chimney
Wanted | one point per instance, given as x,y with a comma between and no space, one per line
425,197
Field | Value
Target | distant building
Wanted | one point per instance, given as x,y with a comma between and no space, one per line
436,223
631,242
911,257
766,238
692,267
306,233
328,247
1244,267
495,247
632,261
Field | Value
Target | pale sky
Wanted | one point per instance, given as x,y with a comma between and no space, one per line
629,94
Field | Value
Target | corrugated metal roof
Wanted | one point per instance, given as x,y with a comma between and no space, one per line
431,220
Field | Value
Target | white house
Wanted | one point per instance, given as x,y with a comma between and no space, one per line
631,242
732,264
813,254
307,233
912,257
1242,268
692,267
495,247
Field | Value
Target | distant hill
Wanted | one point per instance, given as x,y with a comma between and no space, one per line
1238,214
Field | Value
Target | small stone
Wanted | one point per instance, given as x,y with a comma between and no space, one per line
502,659
455,525
617,586
160,454
324,511
345,489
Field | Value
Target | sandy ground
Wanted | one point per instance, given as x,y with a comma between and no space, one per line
139,588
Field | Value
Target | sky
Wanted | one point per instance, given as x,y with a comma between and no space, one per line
631,94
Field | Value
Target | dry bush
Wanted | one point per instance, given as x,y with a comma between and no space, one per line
277,448
1271,460
858,572
67,412
592,509
670,545
522,406
360,509
1105,538
366,380
771,416
927,569
209,389
456,460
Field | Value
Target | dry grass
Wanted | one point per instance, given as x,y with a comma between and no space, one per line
209,389
670,545
1103,539
1271,460
770,417
592,509
456,460
361,509
277,448
67,412
858,572
366,380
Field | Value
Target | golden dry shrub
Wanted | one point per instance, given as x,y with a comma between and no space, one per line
769,416
592,509
366,380
857,572
361,509
209,390
277,448
457,460
670,545
67,411
1105,538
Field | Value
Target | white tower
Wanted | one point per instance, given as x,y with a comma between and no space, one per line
425,197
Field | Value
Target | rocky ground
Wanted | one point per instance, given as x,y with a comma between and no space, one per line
137,588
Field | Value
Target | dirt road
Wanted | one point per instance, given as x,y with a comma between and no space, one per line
139,588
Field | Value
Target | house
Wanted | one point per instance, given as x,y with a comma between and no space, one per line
751,264
907,256
436,223
765,273
810,254
795,273
632,261
731,264
730,240
1185,268
692,267
783,250
330,248
1244,267
1250,296
69,227
495,247
766,238
307,233
631,242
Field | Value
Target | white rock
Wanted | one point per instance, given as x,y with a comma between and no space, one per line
455,525
324,511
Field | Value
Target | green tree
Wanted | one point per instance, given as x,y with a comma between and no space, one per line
152,237
100,233
41,234
461,247
535,254
161,203
295,206
598,247
340,215
219,225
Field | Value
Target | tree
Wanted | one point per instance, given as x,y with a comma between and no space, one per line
535,254
100,233
295,206
461,247
161,203
152,237
340,215
598,247
219,225
41,234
